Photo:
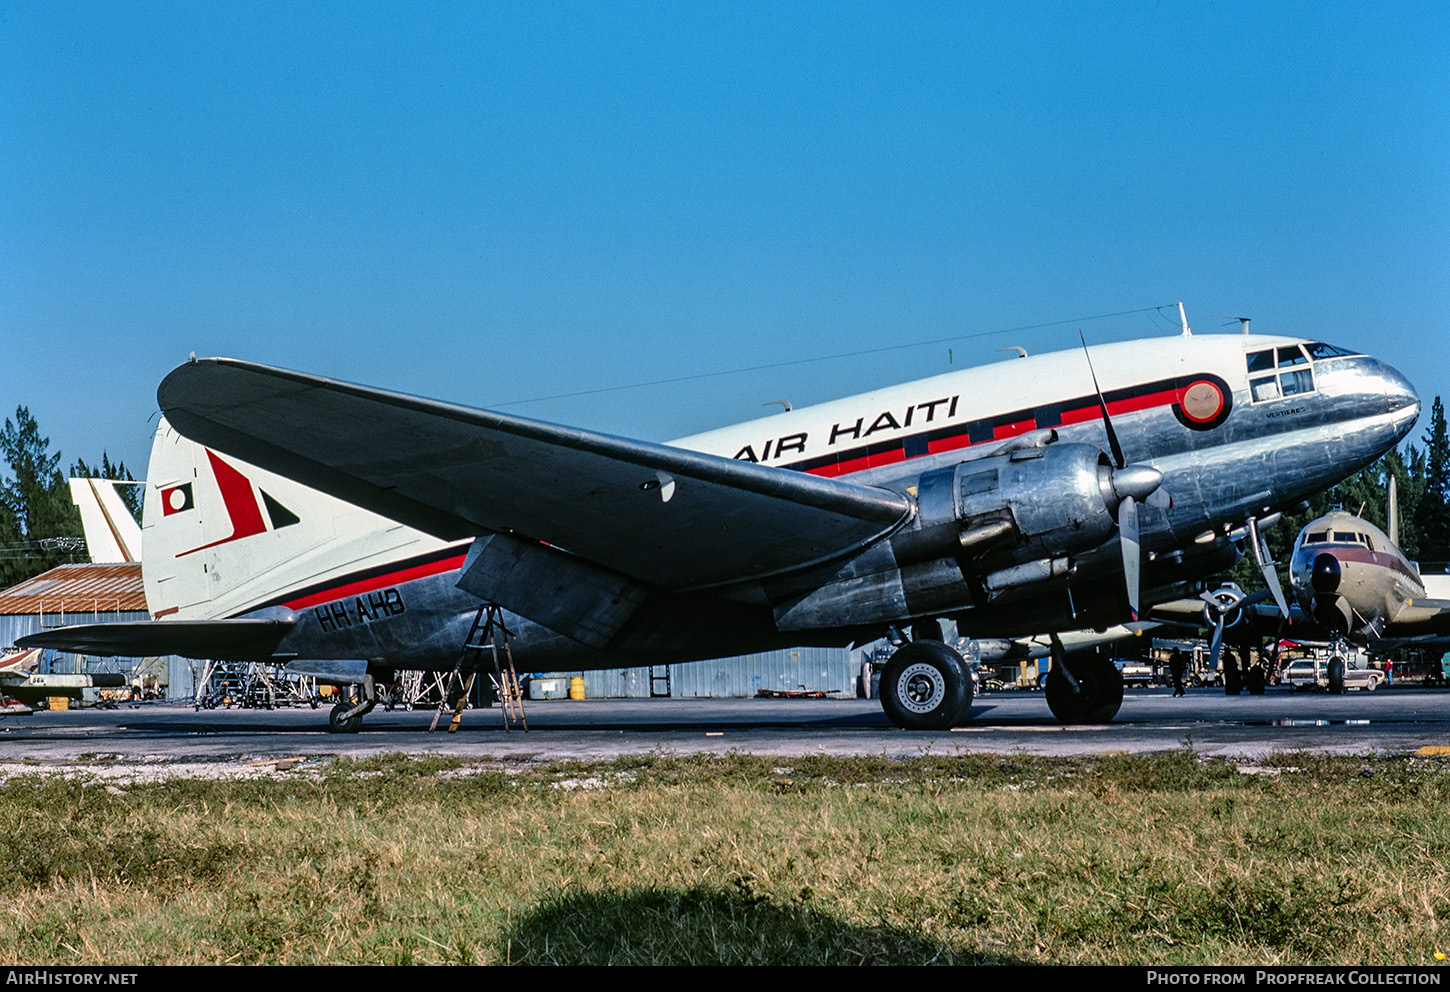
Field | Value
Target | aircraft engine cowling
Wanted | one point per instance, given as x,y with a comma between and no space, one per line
1030,504
981,528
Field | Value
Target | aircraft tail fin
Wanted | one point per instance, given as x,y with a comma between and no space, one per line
222,538
112,534
1394,512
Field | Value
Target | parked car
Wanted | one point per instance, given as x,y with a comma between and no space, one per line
1313,673
1135,673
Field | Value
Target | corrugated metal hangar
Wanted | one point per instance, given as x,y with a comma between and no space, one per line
87,593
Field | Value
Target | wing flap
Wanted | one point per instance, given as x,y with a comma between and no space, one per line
665,516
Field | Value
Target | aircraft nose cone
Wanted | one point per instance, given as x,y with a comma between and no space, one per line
1324,576
1401,398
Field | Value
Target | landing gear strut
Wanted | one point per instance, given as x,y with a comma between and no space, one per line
926,686
1089,692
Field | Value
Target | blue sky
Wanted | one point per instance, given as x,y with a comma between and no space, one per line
491,202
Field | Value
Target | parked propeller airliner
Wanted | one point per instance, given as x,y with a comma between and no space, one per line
353,532
1350,584
1352,581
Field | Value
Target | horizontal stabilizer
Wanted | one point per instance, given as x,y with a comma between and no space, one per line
227,640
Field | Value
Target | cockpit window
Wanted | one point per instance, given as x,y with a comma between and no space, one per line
1317,537
1275,373
1318,350
1346,537
1291,356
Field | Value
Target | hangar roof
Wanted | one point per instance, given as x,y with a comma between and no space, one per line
82,588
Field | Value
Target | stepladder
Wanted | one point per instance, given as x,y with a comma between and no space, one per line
488,651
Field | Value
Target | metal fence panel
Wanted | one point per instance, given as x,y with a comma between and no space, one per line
832,670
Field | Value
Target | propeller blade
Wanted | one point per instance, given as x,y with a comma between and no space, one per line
1132,551
1216,645
1118,460
1266,565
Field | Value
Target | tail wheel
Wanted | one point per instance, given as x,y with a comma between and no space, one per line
926,686
1096,699
341,725
348,698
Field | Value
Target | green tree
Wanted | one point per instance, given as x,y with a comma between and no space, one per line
37,502
1433,514
130,495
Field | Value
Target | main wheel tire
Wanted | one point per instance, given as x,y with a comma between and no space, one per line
338,725
1098,696
926,686
1336,676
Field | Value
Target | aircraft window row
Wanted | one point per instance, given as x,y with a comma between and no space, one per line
1275,373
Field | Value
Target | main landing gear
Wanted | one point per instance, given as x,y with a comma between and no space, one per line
1091,691
926,686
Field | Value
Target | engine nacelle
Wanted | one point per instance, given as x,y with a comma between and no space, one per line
981,527
1030,504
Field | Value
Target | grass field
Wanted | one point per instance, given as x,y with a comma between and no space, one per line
1168,860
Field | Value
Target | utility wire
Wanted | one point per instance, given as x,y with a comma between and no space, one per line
828,358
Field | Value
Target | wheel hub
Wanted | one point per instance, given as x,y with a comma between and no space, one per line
922,688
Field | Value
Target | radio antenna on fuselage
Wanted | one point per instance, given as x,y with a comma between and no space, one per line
1183,319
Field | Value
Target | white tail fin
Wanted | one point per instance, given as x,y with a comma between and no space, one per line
222,538
112,534
1394,512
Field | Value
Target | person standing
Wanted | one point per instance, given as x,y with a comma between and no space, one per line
1176,667
1233,678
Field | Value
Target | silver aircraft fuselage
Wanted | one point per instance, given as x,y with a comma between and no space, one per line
1239,427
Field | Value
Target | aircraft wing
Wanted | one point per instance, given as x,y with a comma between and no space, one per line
677,519
1421,618
1257,612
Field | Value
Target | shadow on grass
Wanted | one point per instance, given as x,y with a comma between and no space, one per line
700,926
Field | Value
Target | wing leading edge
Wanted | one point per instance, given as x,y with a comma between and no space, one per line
676,519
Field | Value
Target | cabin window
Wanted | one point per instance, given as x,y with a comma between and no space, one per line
1294,383
1275,373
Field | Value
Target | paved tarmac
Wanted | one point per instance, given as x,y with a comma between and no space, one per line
164,739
